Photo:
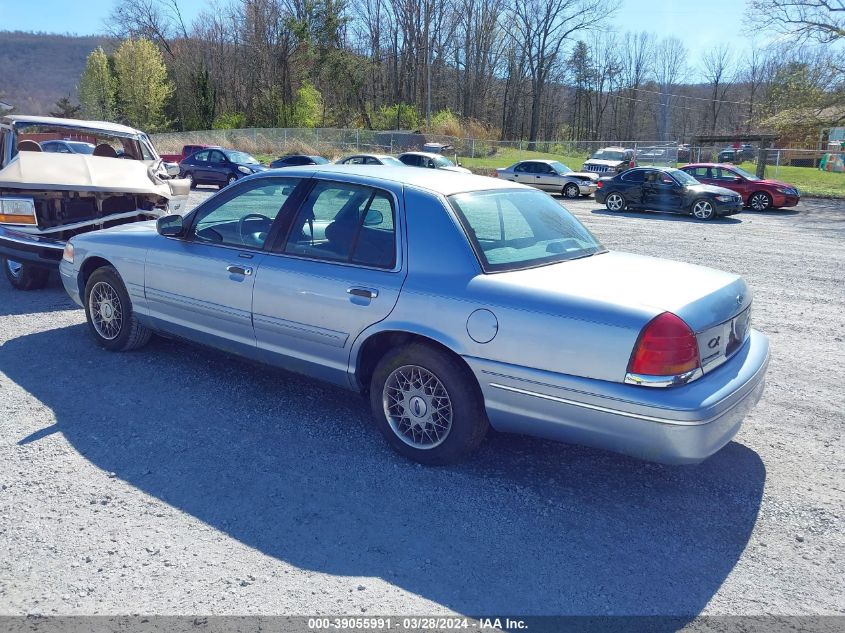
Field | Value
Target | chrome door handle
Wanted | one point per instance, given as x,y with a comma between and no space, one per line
246,271
367,293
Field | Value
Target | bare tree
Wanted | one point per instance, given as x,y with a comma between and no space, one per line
717,65
669,71
540,28
818,20
637,61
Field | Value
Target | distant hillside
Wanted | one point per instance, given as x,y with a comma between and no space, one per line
36,69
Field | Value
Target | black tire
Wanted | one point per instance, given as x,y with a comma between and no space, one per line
25,276
703,209
571,190
468,418
129,334
229,181
760,201
610,201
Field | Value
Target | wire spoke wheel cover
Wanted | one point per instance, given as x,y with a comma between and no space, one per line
106,310
417,407
615,202
703,210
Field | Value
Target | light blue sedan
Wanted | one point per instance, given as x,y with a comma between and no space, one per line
453,302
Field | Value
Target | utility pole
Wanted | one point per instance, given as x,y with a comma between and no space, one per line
428,89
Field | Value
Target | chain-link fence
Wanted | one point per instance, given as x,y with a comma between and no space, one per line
333,143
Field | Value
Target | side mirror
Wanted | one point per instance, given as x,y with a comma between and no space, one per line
374,218
170,226
460,164
737,179
172,169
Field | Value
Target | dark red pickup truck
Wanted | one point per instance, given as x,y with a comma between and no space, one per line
187,150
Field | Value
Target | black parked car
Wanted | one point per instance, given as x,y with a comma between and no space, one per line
218,166
666,189
295,160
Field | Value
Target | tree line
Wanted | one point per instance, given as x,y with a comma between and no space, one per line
507,69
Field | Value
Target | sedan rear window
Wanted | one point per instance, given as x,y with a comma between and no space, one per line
513,229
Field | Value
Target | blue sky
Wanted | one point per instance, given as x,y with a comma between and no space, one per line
700,25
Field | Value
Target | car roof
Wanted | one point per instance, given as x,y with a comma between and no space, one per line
728,165
367,155
435,180
429,154
548,161
78,123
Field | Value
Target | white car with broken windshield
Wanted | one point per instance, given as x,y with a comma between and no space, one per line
63,177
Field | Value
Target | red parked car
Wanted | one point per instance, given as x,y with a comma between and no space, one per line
758,194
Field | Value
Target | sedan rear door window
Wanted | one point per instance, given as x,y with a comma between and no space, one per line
345,223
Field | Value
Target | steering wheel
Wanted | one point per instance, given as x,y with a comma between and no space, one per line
250,216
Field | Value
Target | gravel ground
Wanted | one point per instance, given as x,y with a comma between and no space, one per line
176,480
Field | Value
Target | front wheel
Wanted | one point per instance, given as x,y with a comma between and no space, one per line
760,201
25,276
427,405
190,178
571,191
615,202
230,180
703,210
109,312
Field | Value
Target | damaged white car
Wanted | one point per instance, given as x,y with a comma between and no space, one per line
48,196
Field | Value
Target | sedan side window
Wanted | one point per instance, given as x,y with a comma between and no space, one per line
522,168
244,220
724,174
634,175
345,223
200,157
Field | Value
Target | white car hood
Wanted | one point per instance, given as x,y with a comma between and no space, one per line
81,172
456,169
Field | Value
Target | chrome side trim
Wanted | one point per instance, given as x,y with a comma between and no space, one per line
627,414
663,381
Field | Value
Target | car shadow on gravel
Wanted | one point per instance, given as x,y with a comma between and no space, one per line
665,215
52,298
294,469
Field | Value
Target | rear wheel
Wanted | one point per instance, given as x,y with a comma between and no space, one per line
427,405
24,276
760,201
615,202
571,190
109,312
703,210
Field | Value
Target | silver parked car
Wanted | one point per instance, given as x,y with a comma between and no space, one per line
370,159
552,176
453,302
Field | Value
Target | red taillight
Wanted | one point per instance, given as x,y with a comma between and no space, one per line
666,347
632,164
495,174
599,184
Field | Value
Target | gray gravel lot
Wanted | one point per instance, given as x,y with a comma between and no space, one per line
177,480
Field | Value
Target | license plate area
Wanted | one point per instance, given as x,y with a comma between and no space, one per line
717,344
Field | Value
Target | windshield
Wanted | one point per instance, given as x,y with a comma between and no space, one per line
682,177
241,158
513,229
106,143
604,154
80,147
560,168
745,174
442,161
